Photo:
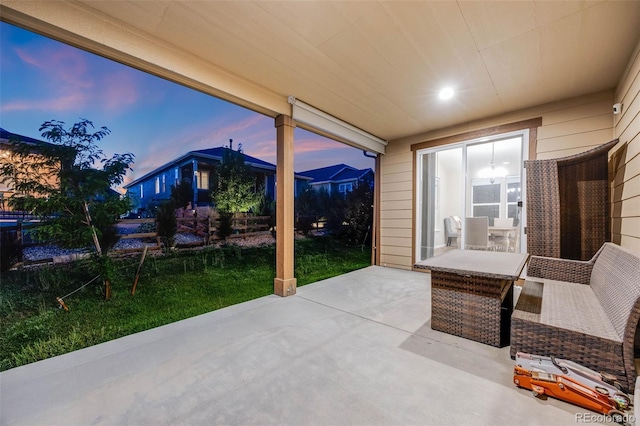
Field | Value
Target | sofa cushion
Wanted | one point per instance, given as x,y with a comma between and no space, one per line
614,280
575,307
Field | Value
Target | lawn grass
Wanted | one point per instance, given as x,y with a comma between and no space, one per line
171,288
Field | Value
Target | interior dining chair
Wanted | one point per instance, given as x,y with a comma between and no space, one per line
477,233
449,230
457,222
504,240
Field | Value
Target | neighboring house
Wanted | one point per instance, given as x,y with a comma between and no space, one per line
337,178
197,168
6,146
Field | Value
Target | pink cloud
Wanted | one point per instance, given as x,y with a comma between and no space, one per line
63,66
118,90
64,103
74,84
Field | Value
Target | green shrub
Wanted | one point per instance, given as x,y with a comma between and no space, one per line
225,227
167,223
10,250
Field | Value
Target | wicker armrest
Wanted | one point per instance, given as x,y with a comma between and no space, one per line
575,271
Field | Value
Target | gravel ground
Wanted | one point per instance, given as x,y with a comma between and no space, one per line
37,253
47,252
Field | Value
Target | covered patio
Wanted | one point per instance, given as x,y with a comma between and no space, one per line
355,349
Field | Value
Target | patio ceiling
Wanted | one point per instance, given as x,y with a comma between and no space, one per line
376,65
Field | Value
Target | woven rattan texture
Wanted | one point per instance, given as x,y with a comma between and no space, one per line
543,208
615,281
474,308
568,204
584,206
561,269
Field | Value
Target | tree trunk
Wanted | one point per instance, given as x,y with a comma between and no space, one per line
96,242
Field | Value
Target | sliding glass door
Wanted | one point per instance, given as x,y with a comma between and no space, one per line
474,179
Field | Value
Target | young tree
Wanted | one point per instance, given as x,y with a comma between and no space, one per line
306,208
358,213
234,185
61,184
167,223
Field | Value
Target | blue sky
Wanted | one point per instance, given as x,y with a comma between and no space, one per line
156,120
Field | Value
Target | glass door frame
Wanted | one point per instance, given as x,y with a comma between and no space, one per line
524,155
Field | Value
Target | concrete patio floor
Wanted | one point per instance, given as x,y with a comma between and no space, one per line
355,349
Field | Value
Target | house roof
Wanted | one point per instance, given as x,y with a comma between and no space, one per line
337,172
6,135
378,65
217,153
214,154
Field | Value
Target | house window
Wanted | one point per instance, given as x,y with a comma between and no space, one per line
141,191
514,195
203,179
157,185
176,176
486,199
343,188
164,183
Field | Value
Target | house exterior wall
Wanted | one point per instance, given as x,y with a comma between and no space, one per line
625,164
568,127
7,189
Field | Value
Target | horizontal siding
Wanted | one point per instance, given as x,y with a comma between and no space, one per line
396,250
628,207
395,232
396,205
398,241
404,167
396,214
575,143
568,127
397,177
626,189
407,185
396,196
576,127
631,243
579,112
400,262
395,223
627,225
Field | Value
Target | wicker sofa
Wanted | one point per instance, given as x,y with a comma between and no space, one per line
584,311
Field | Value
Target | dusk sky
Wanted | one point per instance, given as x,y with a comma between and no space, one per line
154,119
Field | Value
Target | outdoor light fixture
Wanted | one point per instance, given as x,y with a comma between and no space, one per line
446,93
320,120
492,172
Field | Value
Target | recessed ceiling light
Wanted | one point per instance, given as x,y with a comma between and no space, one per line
446,93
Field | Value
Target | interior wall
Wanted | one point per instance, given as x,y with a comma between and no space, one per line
625,164
568,127
449,172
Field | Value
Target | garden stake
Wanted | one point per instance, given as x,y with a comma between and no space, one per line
62,304
107,289
60,299
135,280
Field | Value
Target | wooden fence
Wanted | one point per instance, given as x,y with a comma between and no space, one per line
153,236
205,226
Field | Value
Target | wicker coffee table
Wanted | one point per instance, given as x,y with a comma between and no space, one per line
472,293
